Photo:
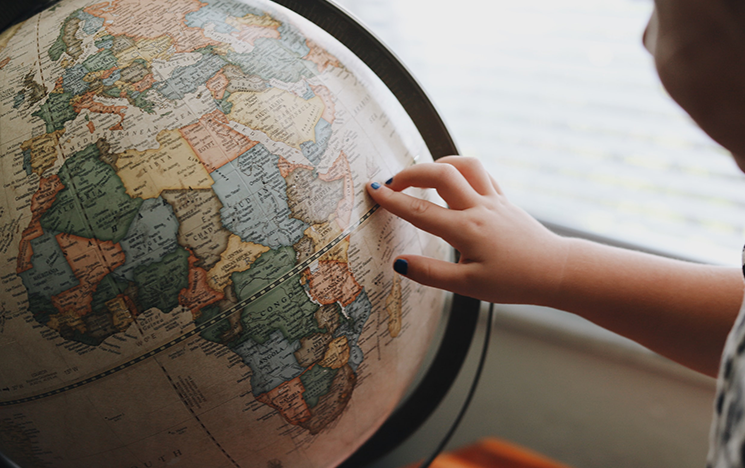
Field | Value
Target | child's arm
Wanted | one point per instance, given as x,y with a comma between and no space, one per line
679,309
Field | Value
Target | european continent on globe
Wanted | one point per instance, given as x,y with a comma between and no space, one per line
191,272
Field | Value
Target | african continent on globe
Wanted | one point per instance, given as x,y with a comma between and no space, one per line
191,274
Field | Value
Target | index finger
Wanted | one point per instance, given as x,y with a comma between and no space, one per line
445,178
423,214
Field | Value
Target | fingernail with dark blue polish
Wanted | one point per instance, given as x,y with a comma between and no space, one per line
389,181
375,185
401,266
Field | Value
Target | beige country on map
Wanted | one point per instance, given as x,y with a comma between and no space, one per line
171,166
317,237
146,49
265,21
283,116
337,354
44,151
249,31
238,256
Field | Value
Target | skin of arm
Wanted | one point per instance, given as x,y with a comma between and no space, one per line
681,310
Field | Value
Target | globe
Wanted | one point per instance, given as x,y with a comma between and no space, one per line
192,274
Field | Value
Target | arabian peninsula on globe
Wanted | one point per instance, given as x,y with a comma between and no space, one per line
191,273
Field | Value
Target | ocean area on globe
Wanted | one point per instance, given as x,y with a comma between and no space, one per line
192,274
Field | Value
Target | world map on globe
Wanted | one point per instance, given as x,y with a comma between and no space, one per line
192,274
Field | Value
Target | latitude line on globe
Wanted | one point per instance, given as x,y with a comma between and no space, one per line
198,329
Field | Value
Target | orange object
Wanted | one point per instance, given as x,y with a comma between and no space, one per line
493,453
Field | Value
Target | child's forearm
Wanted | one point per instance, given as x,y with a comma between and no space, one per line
681,310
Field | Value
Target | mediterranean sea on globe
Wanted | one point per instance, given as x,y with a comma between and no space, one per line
192,274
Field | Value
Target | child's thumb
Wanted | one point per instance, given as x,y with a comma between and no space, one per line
431,272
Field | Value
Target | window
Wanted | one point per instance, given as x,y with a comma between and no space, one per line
562,103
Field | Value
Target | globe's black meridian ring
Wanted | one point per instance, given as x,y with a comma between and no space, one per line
296,270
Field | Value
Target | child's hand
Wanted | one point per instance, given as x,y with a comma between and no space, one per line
679,309
506,255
